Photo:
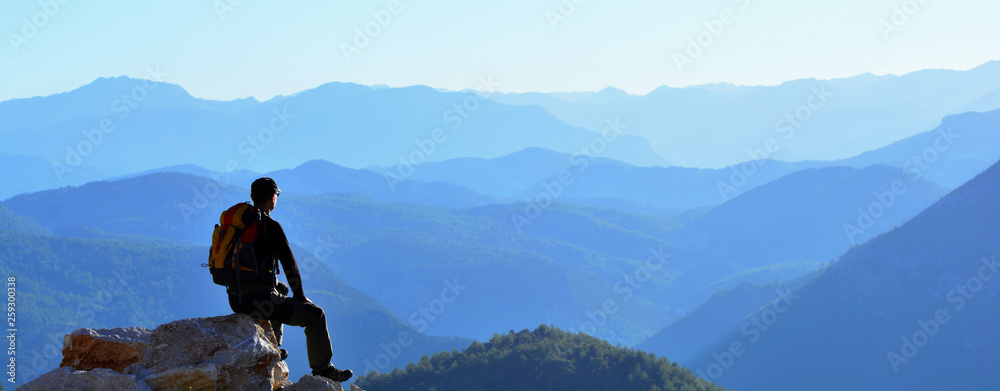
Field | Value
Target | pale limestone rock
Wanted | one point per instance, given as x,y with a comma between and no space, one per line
204,377
317,383
314,383
233,352
244,350
68,379
86,349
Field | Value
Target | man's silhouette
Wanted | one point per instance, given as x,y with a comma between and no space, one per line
268,298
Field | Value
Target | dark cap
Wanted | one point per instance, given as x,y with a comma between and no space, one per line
263,188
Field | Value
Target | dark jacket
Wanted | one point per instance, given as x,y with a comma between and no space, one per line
272,246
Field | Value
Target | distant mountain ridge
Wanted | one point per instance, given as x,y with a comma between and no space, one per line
320,176
961,147
524,175
354,125
817,214
685,339
414,246
105,97
424,245
914,308
55,143
13,222
949,154
713,125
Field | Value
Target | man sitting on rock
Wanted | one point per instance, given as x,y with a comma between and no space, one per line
268,298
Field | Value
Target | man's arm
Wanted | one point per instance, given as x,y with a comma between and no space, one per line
283,252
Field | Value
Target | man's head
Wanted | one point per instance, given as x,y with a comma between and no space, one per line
264,193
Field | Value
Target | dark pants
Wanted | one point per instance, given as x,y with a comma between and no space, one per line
280,309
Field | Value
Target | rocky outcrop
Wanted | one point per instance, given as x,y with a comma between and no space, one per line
233,352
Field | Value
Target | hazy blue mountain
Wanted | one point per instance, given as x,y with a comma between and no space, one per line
503,176
236,176
29,174
629,206
715,125
401,253
353,125
986,102
345,116
670,188
320,176
562,267
811,215
102,283
13,222
104,98
25,174
961,147
599,181
146,139
171,206
914,308
685,339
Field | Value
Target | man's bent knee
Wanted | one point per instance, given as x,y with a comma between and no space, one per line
282,288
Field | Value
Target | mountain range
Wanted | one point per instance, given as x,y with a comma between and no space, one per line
506,262
913,308
714,126
107,282
120,126
124,125
401,253
771,237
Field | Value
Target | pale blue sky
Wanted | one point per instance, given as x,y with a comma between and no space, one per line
262,49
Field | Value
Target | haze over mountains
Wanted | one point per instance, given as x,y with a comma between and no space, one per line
58,140
914,308
713,126
400,253
169,127
107,283
524,211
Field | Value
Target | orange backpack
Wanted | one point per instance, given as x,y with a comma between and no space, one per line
232,259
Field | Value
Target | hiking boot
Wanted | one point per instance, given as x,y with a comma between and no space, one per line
331,372
283,353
